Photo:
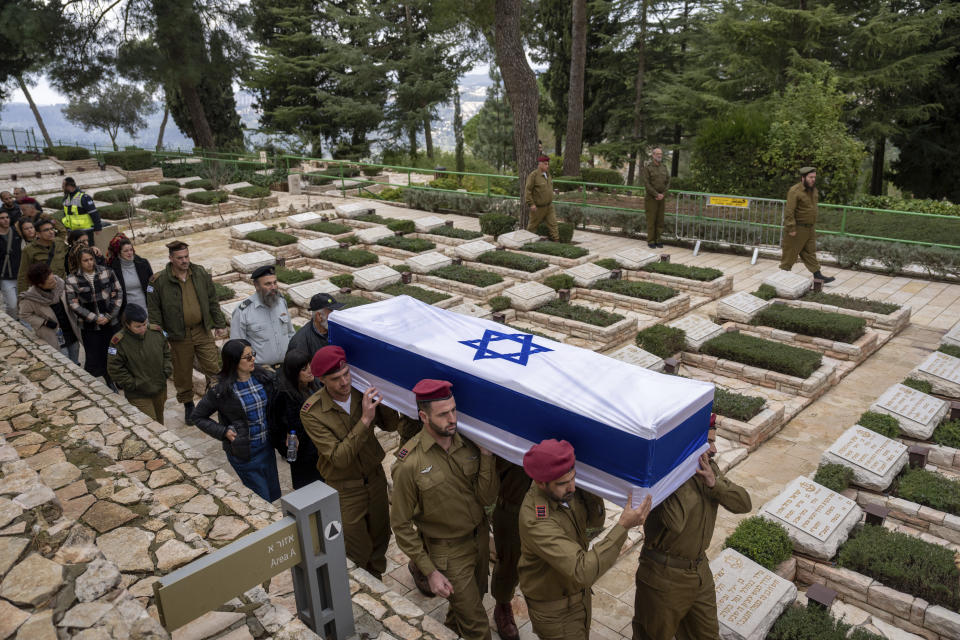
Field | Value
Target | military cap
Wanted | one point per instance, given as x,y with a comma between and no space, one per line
177,245
549,460
543,159
805,170
259,272
428,390
324,301
327,360
135,313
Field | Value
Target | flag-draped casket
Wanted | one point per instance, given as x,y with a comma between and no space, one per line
633,430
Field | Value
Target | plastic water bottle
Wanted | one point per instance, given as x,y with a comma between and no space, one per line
60,339
292,444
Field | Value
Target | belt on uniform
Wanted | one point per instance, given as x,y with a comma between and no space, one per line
553,606
457,540
675,562
349,484
804,224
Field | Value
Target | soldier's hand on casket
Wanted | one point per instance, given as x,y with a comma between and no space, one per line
371,399
705,471
630,518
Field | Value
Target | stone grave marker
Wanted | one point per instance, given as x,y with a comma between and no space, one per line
235,185
817,519
472,250
301,220
750,598
427,262
918,413
186,192
953,336
741,307
249,262
141,185
942,371
294,184
516,239
472,310
698,330
228,308
311,247
353,209
788,284
588,274
375,277
874,459
301,293
187,179
373,234
530,295
137,200
635,257
632,354
241,230
428,224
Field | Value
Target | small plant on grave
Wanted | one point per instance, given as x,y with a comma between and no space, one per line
765,292
460,273
800,622
374,218
761,540
413,245
661,340
403,226
201,183
608,263
349,300
637,289
737,406
499,303
880,423
271,237
114,195
401,268
419,293
849,302
454,232
555,249
223,292
947,434
765,354
160,190
253,191
835,477
703,274
578,313
208,197
950,350
331,228
163,203
495,224
923,386
342,280
811,322
564,231
293,276
560,281
349,257
118,211
930,489
512,260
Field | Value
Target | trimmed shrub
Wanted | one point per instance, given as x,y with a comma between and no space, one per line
930,489
349,257
607,263
293,276
371,171
737,406
333,228
560,281
512,260
223,292
555,249
950,350
118,211
160,190
454,232
163,203
920,385
764,542
835,477
460,273
403,226
202,183
813,623
499,303
175,183
849,302
811,322
252,192
704,274
132,160
421,294
494,224
595,317
636,289
179,169
948,434
349,300
414,245
317,178
393,194
208,197
604,176
54,202
114,195
564,231
766,354
65,152
661,340
447,183
765,292
880,423
904,563
271,237
400,268
372,217
342,280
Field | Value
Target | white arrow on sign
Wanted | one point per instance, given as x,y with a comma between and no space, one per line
332,531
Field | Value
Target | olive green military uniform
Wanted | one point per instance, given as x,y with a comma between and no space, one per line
350,462
187,311
53,255
514,483
140,366
439,521
656,180
675,591
539,193
800,215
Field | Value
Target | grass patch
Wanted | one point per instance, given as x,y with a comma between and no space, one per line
555,249
207,197
849,302
595,317
342,280
765,292
607,263
332,228
118,211
880,423
271,237
766,354
560,281
499,303
810,322
950,350
835,477
160,190
453,232
703,274
349,300
922,386
930,489
114,195
661,340
948,434
764,542
812,623
421,294
202,183
414,245
349,257
460,273
403,226
513,261
293,276
163,203
401,268
253,191
636,289
737,406
374,218
223,292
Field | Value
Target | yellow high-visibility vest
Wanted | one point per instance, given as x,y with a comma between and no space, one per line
72,217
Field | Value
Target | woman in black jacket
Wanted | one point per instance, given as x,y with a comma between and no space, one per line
242,400
295,384
132,271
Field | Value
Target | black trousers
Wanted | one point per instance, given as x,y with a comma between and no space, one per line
95,345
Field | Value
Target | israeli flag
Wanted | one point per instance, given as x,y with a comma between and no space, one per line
633,430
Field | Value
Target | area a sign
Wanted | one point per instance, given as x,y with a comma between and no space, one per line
723,201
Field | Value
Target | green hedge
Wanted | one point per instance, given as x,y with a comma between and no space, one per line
499,303
849,302
495,224
835,477
922,386
317,178
555,249
175,183
950,350
65,152
349,257
607,263
704,274
421,294
766,354
113,195
132,160
904,563
460,273
811,322
765,292
764,542
253,191
54,202
918,205
948,434
202,183
881,423
737,406
930,489
401,268
513,261
374,218
403,226
163,203
118,211
637,289
342,280
564,231
208,197
813,623
454,232
560,281
605,176
271,237
596,317
414,245
160,190
661,340
332,228
224,292
293,276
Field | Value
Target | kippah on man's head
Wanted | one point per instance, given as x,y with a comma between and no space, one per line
177,245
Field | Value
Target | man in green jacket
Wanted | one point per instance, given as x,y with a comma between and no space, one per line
44,248
183,301
656,182
799,225
538,194
138,361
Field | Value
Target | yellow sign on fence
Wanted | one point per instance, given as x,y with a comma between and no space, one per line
720,201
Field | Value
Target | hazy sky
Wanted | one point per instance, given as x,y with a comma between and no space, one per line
42,93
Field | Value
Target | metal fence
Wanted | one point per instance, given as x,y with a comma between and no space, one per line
18,140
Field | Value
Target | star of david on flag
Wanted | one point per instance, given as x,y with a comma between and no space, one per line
525,340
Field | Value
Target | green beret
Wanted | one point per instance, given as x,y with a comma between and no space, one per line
805,170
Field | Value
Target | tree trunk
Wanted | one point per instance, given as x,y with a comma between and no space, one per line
36,112
203,136
637,131
428,136
412,137
558,134
458,130
578,56
675,157
521,86
113,141
876,177
163,125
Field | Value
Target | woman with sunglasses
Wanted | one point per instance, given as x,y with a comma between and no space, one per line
242,400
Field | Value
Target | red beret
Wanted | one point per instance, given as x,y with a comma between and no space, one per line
543,159
547,461
327,360
427,390
713,421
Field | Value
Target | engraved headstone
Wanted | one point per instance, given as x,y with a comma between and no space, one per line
187,179
311,247
472,250
427,262
185,192
817,519
249,262
353,209
942,371
472,310
294,185
632,354
241,230
530,295
750,598
917,413
788,284
516,239
698,330
741,307
427,224
301,293
588,274
301,220
875,459
953,336
635,257
373,234
375,277
236,185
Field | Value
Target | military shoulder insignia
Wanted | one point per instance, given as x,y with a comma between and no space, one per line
116,338
306,406
111,351
246,303
541,511
426,469
402,453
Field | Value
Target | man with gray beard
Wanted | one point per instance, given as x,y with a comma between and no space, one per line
263,319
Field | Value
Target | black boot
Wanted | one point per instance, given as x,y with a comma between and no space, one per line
825,279
188,413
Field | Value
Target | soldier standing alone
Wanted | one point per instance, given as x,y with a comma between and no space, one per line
799,225
138,362
538,194
656,182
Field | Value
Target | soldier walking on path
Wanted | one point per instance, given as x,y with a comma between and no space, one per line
799,225
538,194
138,362
263,319
514,483
656,183
183,301
441,484
675,593
557,569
